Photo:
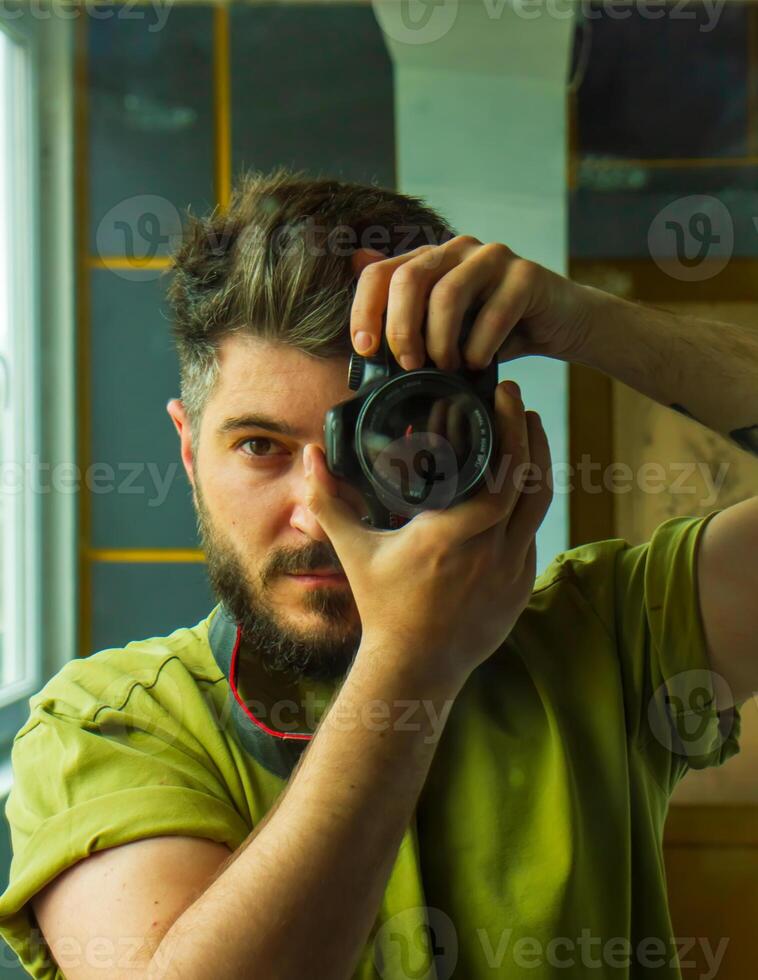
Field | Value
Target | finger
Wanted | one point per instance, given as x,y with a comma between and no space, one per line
500,314
411,292
362,257
497,497
536,494
473,279
370,299
337,518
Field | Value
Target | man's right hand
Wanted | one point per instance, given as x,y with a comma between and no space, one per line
439,596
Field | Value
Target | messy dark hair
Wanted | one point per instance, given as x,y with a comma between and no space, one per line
275,263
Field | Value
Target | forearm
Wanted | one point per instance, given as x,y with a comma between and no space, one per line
706,369
308,882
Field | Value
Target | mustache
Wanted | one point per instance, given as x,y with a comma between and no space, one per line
318,557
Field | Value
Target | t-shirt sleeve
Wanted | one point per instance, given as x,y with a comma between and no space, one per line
91,774
647,596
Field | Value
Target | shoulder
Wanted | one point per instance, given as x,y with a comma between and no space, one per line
176,666
581,565
614,577
580,583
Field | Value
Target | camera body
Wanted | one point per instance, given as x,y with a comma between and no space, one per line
416,440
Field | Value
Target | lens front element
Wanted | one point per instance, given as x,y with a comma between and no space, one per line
424,440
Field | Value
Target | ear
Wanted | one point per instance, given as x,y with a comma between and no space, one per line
362,257
175,409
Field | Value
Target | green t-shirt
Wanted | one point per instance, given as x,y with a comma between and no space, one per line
536,845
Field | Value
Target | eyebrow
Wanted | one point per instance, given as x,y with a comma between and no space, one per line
259,421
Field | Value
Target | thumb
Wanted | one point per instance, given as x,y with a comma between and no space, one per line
334,515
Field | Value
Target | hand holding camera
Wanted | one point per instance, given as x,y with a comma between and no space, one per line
438,596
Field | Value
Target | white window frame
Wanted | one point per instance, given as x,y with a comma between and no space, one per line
20,382
47,635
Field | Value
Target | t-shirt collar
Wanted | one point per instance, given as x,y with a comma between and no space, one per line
277,751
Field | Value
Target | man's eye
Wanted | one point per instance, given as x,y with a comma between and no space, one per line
259,440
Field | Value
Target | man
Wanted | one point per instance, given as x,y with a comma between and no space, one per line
388,754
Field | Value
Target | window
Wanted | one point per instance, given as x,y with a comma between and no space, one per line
20,673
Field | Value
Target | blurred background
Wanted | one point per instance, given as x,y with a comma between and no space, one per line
613,142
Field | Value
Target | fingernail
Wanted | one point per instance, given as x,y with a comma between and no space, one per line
363,341
406,362
513,389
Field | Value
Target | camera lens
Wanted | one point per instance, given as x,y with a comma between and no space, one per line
424,441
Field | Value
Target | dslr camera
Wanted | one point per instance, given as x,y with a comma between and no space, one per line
412,441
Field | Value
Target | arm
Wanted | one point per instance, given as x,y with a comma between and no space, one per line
707,370
308,878
105,916
727,572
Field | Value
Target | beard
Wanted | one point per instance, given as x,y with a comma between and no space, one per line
323,653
